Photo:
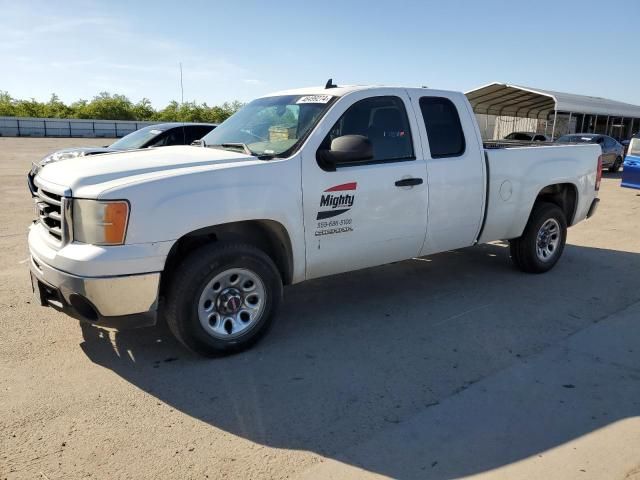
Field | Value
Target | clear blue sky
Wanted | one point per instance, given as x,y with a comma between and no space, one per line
242,49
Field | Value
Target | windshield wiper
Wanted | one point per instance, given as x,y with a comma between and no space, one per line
242,146
245,149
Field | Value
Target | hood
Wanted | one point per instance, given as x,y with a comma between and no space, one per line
67,153
90,178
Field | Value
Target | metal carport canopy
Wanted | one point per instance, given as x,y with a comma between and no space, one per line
517,101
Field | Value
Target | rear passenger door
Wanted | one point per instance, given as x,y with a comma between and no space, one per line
455,169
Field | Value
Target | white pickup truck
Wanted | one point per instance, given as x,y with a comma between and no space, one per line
297,185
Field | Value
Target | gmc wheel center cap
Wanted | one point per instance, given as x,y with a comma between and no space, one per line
229,301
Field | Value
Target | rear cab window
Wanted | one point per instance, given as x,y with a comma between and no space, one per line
444,130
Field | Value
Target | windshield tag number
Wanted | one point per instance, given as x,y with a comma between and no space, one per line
314,99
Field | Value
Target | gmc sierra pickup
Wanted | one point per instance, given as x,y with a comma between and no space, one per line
296,185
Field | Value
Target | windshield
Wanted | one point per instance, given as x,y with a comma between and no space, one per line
136,139
577,139
634,147
270,126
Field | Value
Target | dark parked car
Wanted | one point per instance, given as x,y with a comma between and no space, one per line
527,137
612,150
159,135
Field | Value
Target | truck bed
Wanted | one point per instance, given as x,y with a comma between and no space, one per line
518,171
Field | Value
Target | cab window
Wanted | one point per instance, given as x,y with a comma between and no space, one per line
384,121
170,137
444,131
195,132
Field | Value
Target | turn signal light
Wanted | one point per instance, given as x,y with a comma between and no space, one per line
100,222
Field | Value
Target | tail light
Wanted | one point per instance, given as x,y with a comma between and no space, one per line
599,174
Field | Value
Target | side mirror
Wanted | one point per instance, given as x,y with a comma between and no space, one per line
198,143
345,149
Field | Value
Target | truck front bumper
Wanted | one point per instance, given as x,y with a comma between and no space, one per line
113,301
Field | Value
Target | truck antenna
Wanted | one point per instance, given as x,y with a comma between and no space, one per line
330,84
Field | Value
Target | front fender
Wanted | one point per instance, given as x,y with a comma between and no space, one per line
165,209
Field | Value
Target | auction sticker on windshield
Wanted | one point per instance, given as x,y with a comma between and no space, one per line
314,99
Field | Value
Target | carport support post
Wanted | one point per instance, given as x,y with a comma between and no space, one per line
582,125
569,124
606,128
553,129
595,125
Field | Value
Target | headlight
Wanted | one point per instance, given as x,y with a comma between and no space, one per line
100,222
57,156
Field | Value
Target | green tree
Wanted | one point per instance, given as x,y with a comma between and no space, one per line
7,107
106,106
29,108
79,109
55,108
168,113
143,110
110,107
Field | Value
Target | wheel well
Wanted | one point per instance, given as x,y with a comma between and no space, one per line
564,195
267,235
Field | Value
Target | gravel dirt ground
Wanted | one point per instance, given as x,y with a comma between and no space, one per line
442,367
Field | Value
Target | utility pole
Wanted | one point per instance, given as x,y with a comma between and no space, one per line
181,91
181,86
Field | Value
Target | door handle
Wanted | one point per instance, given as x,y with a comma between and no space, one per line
408,182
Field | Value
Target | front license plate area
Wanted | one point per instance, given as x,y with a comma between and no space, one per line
46,294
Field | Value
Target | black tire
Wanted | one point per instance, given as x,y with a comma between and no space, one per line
524,249
188,284
616,165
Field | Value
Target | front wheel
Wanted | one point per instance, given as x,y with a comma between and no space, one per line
543,239
223,298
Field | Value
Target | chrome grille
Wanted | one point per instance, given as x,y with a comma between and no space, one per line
50,211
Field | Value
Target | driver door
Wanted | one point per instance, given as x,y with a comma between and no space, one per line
372,212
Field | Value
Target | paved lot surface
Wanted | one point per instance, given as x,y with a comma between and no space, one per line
450,366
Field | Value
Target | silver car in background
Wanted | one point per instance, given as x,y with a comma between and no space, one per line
612,150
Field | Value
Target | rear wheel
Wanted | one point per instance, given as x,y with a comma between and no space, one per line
223,298
616,165
543,239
